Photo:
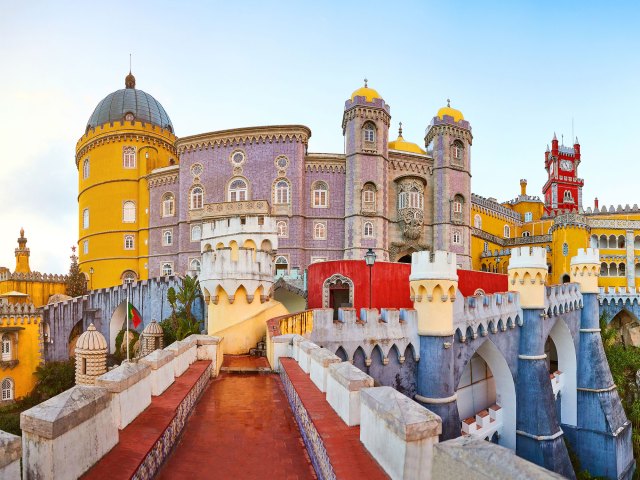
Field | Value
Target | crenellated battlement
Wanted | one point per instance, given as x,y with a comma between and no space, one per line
562,298
528,257
585,269
240,228
475,316
527,275
586,256
439,265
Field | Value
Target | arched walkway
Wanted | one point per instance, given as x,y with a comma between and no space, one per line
116,324
567,364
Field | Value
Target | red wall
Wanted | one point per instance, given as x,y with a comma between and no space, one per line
390,283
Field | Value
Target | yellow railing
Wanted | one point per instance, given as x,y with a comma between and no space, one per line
299,323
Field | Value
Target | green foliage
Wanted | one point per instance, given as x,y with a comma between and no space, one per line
181,323
76,281
121,353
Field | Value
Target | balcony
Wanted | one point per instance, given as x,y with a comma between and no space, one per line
212,211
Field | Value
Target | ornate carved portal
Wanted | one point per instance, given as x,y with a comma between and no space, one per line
337,284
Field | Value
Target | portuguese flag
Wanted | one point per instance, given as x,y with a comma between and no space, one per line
134,315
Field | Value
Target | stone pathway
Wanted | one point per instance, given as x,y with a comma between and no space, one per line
242,428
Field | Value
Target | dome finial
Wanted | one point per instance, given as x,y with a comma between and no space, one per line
448,102
130,80
365,83
400,130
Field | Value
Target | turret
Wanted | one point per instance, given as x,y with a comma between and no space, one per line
528,274
434,283
554,145
91,356
523,187
22,254
585,269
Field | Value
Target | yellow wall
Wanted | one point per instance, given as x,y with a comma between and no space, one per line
106,189
28,349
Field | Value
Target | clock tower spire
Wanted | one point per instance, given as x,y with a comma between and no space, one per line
563,189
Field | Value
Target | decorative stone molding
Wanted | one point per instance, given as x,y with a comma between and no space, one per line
124,137
366,113
478,316
333,280
162,181
413,167
230,209
614,224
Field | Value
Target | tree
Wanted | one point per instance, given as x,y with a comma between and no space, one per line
181,324
76,281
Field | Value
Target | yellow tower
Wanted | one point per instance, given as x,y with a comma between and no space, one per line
585,269
128,135
528,274
570,232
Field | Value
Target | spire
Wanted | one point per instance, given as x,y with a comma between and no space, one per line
448,103
365,83
130,80
576,142
554,136
400,130
22,254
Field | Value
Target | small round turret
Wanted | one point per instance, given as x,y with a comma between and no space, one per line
91,356
152,337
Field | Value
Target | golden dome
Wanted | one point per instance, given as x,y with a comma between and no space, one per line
452,112
91,341
401,144
368,93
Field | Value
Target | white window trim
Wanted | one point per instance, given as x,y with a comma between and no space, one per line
506,231
85,247
324,199
236,192
194,259
191,198
316,224
166,231
286,229
85,218
168,199
193,227
456,238
135,211
278,190
133,241
8,393
125,151
86,168
162,265
364,230
318,259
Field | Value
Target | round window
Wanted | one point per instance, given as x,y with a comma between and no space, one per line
282,162
196,170
237,158
129,117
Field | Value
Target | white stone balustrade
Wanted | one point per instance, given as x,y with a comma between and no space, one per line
181,360
162,370
304,355
130,388
67,434
208,348
321,358
11,448
485,423
344,382
398,432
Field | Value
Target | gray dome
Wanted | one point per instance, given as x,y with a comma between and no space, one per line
143,106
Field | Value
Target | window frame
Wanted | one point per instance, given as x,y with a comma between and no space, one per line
7,347
86,166
195,259
506,231
7,386
85,247
129,207
528,216
196,200
369,130
129,157
167,237
85,218
281,194
367,230
456,238
163,269
320,196
285,233
231,192
191,236
319,230
132,238
168,200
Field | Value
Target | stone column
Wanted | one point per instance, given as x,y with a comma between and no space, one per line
631,268
538,434
602,439
434,284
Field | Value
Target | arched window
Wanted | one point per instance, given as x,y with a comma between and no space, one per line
319,231
167,269
238,190
320,195
168,205
485,247
196,199
129,212
7,389
128,242
167,238
85,218
526,234
129,157
85,168
129,276
196,233
621,241
194,264
411,197
457,238
604,270
567,196
457,151
369,132
281,192
369,197
85,247
368,229
457,208
613,270
507,231
6,348
282,265
283,228
477,221
622,269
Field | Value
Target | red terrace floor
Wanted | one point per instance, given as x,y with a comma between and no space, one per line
348,456
242,428
139,436
245,361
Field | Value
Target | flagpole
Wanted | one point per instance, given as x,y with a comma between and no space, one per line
128,287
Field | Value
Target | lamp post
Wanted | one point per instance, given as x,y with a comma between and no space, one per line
91,270
498,264
370,259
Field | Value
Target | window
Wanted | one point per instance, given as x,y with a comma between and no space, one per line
526,234
369,132
457,208
129,276
194,264
283,228
196,169
565,249
238,191
128,242
282,162
196,199
237,158
7,389
85,247
318,259
6,347
281,192
167,238
129,157
85,218
369,197
411,198
167,269
477,221
528,216
168,205
282,266
319,230
128,212
507,232
457,151
485,247
368,229
567,196
457,238
85,168
320,195
196,233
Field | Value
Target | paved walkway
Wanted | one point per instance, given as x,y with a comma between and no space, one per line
242,428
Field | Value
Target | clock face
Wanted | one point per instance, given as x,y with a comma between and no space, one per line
566,165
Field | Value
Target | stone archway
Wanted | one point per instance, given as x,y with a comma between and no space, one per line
563,351
76,331
116,324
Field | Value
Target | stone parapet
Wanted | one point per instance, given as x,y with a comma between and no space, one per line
208,348
479,316
562,298
398,432
439,266
279,346
527,275
585,269
130,386
344,382
181,351
321,358
11,448
304,355
162,370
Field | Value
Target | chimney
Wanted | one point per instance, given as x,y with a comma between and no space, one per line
595,203
523,186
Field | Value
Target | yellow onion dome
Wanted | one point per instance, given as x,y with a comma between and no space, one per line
402,145
368,93
452,112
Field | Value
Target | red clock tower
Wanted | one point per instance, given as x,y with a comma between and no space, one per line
563,188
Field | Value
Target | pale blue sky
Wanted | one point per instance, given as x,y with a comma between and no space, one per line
517,70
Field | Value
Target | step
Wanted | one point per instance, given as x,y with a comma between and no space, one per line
239,369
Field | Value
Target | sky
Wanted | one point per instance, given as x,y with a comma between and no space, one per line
518,70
